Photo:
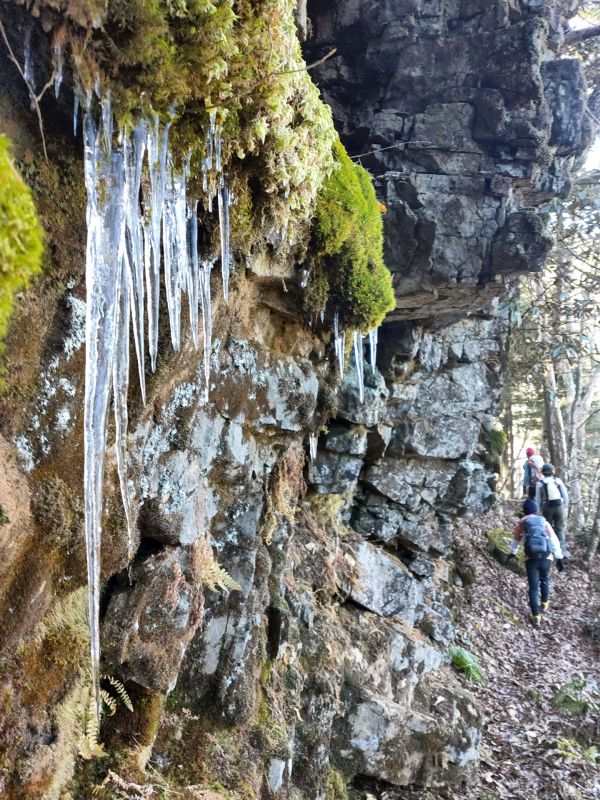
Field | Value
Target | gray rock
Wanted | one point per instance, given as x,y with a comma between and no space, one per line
384,585
150,622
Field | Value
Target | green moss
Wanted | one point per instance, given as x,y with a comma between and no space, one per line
336,786
346,263
466,663
497,442
242,59
21,237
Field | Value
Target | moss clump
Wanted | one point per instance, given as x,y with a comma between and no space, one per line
346,264
240,59
466,663
336,786
21,237
497,442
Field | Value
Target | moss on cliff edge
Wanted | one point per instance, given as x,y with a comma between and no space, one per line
21,237
346,268
183,58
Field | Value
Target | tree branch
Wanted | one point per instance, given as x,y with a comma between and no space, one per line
581,35
32,94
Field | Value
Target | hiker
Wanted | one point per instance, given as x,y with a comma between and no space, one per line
541,549
532,472
553,499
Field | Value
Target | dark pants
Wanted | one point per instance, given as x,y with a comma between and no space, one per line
538,577
556,517
531,492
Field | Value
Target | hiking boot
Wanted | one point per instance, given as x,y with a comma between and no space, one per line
535,620
545,605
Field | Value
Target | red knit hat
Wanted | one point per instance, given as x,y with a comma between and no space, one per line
529,452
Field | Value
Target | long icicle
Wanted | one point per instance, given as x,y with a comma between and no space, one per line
120,388
105,221
193,275
158,146
359,361
224,231
373,336
206,303
134,156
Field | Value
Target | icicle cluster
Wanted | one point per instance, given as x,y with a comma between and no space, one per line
126,245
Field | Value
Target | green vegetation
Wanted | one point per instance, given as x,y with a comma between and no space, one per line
21,237
498,440
578,696
242,60
346,261
336,786
4,518
573,750
465,662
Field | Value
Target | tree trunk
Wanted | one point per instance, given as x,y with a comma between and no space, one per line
554,421
593,545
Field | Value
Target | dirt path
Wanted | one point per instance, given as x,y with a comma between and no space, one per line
531,749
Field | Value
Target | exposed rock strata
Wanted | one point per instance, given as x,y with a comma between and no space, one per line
330,658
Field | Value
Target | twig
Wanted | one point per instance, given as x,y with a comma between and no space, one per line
34,99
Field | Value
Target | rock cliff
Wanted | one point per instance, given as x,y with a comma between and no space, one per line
323,669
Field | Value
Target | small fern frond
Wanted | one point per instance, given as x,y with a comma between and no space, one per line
212,575
120,690
109,701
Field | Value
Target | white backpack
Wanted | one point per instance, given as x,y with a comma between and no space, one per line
552,490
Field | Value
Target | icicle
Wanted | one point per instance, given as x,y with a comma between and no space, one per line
157,159
121,386
105,220
206,304
358,359
107,119
193,286
313,439
373,337
223,200
134,156
75,111
175,250
27,62
339,344
58,66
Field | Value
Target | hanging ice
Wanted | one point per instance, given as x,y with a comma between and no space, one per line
223,202
134,156
27,63
313,439
75,111
104,179
373,337
121,387
206,303
358,360
58,68
193,276
215,184
339,343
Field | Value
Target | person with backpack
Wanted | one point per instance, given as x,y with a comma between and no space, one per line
541,549
532,472
553,499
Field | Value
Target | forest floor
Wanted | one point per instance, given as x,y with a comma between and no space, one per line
536,745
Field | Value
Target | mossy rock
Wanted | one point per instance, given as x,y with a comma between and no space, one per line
499,546
21,236
347,272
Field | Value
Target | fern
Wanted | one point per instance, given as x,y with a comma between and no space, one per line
212,575
466,663
578,695
120,690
